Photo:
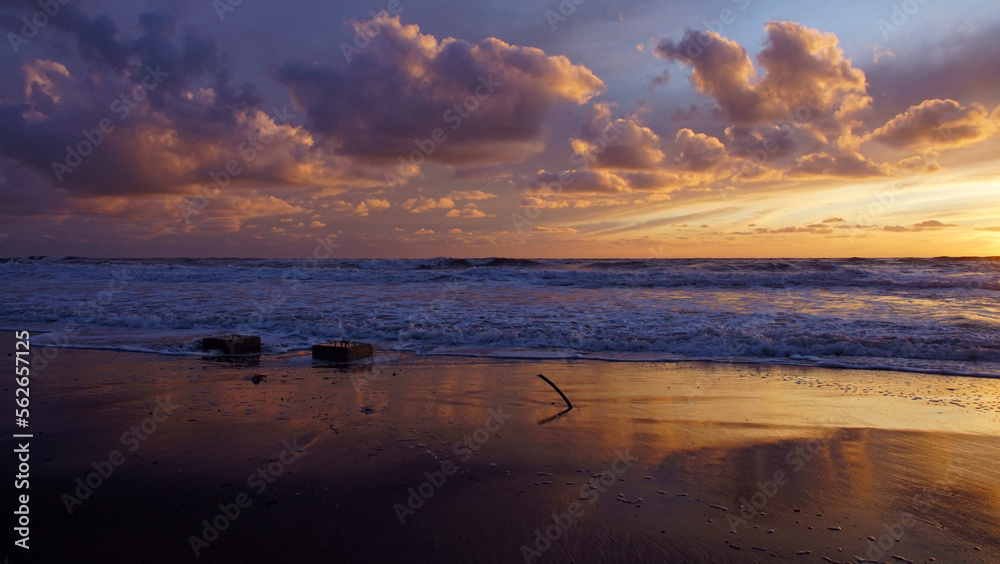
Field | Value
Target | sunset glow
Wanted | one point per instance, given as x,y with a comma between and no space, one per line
623,129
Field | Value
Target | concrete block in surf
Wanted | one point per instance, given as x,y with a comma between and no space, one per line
344,351
232,344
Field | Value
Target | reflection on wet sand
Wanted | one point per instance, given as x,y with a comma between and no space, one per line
727,463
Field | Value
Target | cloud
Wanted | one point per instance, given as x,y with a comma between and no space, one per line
469,212
340,206
765,143
156,114
697,151
932,224
947,66
424,205
661,79
370,205
991,229
179,118
490,99
801,67
813,229
928,225
794,112
834,220
471,195
621,155
605,142
95,38
722,69
542,229
227,213
938,124
495,172
583,203
583,182
801,109
846,164
529,201
920,164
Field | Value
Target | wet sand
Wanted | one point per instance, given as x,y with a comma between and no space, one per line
657,462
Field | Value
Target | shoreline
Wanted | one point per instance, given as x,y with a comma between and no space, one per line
541,355
351,446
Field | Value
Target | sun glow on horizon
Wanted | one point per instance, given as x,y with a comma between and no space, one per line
778,133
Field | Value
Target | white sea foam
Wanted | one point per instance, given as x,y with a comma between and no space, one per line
937,315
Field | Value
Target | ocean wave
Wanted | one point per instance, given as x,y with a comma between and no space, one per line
926,314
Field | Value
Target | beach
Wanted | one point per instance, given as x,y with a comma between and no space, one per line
456,459
500,282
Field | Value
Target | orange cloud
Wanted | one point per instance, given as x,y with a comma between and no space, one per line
471,195
413,84
846,164
928,225
697,151
370,205
939,123
424,205
542,229
616,144
469,212
802,67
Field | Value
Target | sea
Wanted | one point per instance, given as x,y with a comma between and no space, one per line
934,315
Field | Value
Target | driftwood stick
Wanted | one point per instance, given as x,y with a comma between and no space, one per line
556,388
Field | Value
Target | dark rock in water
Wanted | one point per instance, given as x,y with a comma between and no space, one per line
232,344
343,351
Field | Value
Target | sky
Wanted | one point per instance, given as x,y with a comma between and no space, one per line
573,128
